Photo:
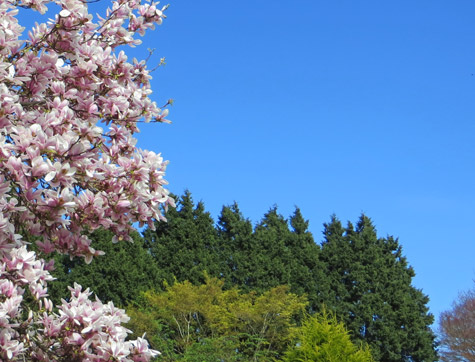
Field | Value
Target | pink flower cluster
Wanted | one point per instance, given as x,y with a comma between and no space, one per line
69,107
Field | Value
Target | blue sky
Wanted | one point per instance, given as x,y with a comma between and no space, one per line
337,107
334,106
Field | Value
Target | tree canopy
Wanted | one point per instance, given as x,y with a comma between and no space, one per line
363,279
371,290
256,327
186,245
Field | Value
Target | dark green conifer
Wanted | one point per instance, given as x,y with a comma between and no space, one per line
237,247
272,254
186,245
306,269
120,275
371,290
272,257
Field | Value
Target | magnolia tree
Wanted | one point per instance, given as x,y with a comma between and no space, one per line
70,102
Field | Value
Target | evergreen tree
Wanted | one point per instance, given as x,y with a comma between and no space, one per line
186,245
120,275
370,288
272,256
306,269
238,247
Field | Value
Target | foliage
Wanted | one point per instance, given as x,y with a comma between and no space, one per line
258,326
365,279
370,289
126,270
213,350
272,254
69,107
321,338
457,330
238,248
307,272
258,259
271,236
186,245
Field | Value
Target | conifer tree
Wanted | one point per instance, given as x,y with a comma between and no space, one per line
371,290
272,256
186,245
237,247
306,269
126,270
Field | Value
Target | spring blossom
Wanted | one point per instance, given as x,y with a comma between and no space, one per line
70,103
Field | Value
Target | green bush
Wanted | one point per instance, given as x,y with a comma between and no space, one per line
321,338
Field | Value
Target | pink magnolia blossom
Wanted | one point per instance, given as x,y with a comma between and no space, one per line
70,104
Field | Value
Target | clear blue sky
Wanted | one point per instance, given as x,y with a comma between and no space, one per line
334,106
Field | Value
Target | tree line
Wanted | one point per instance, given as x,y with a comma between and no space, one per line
353,281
